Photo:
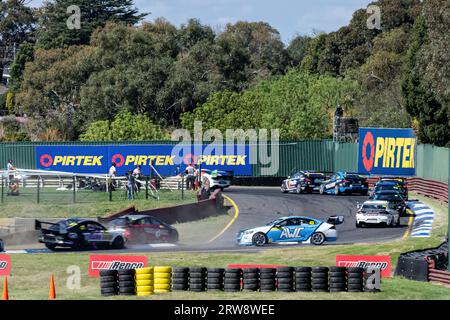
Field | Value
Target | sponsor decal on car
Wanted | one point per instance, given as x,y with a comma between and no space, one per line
5,265
114,262
380,262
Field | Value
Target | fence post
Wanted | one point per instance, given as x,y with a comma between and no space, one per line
38,189
110,192
146,188
182,187
2,190
74,188
448,208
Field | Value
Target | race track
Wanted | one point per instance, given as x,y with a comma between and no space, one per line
260,205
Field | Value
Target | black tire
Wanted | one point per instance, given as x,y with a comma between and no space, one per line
267,276
319,286
285,274
197,270
337,280
197,286
320,290
285,290
215,286
108,273
318,238
338,274
118,243
49,246
197,281
250,270
214,280
319,276
267,282
215,270
320,269
355,270
285,280
338,285
174,236
355,281
180,287
233,270
180,275
303,274
108,279
355,275
259,239
232,286
303,269
284,285
123,284
183,270
197,275
337,269
130,272
355,286
319,281
337,290
250,281
109,290
232,283
303,285
285,269
267,270
126,277
127,290
104,285
180,280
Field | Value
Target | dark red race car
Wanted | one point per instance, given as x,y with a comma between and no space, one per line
144,229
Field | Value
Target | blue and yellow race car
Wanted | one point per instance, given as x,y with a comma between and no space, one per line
291,229
345,183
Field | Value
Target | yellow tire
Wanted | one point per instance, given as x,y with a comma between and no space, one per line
144,283
148,270
144,294
144,288
144,277
161,275
162,269
161,291
161,287
162,281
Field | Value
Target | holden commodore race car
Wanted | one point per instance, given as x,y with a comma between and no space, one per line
303,181
345,182
215,179
78,234
291,229
379,212
143,229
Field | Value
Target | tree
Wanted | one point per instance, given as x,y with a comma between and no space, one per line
298,49
55,33
124,127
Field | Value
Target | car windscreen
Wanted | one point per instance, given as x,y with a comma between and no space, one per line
388,196
374,207
353,177
274,222
315,176
64,224
120,222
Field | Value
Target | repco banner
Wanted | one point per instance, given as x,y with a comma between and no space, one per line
114,262
381,262
5,265
387,151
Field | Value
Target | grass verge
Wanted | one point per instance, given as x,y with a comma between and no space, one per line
31,273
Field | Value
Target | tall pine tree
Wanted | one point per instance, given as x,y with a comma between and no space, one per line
55,33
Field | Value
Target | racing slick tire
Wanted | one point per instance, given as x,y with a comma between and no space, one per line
49,246
197,280
359,224
215,271
322,189
336,191
284,190
338,274
259,239
118,243
298,189
317,238
173,236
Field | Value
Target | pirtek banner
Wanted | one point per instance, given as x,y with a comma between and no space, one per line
387,151
168,160
114,262
5,265
381,262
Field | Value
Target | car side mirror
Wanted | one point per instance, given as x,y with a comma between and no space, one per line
358,205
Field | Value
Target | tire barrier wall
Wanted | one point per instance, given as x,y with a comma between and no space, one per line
178,214
418,265
164,279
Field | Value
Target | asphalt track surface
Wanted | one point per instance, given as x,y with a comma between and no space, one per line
260,205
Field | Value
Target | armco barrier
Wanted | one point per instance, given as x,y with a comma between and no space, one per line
181,213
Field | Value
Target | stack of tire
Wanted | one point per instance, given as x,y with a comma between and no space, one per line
338,279
250,279
367,276
180,279
215,279
127,283
268,279
232,279
144,282
355,279
302,279
197,279
319,279
162,278
108,283
285,279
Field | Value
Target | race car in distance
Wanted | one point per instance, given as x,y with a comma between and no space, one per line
345,182
143,229
291,229
375,212
2,246
78,234
303,181
394,197
214,179
389,185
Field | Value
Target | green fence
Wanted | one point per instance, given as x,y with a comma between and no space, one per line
323,155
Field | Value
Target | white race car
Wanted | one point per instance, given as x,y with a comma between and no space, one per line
291,229
214,179
377,212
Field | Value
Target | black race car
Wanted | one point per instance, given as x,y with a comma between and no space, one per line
303,181
394,197
2,246
78,234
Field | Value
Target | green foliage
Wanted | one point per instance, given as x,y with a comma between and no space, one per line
54,32
124,127
299,104
26,54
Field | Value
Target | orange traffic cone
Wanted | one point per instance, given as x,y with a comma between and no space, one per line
52,292
5,295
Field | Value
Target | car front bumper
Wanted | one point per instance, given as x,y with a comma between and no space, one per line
371,219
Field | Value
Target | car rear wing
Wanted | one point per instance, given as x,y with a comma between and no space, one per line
335,220
38,226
